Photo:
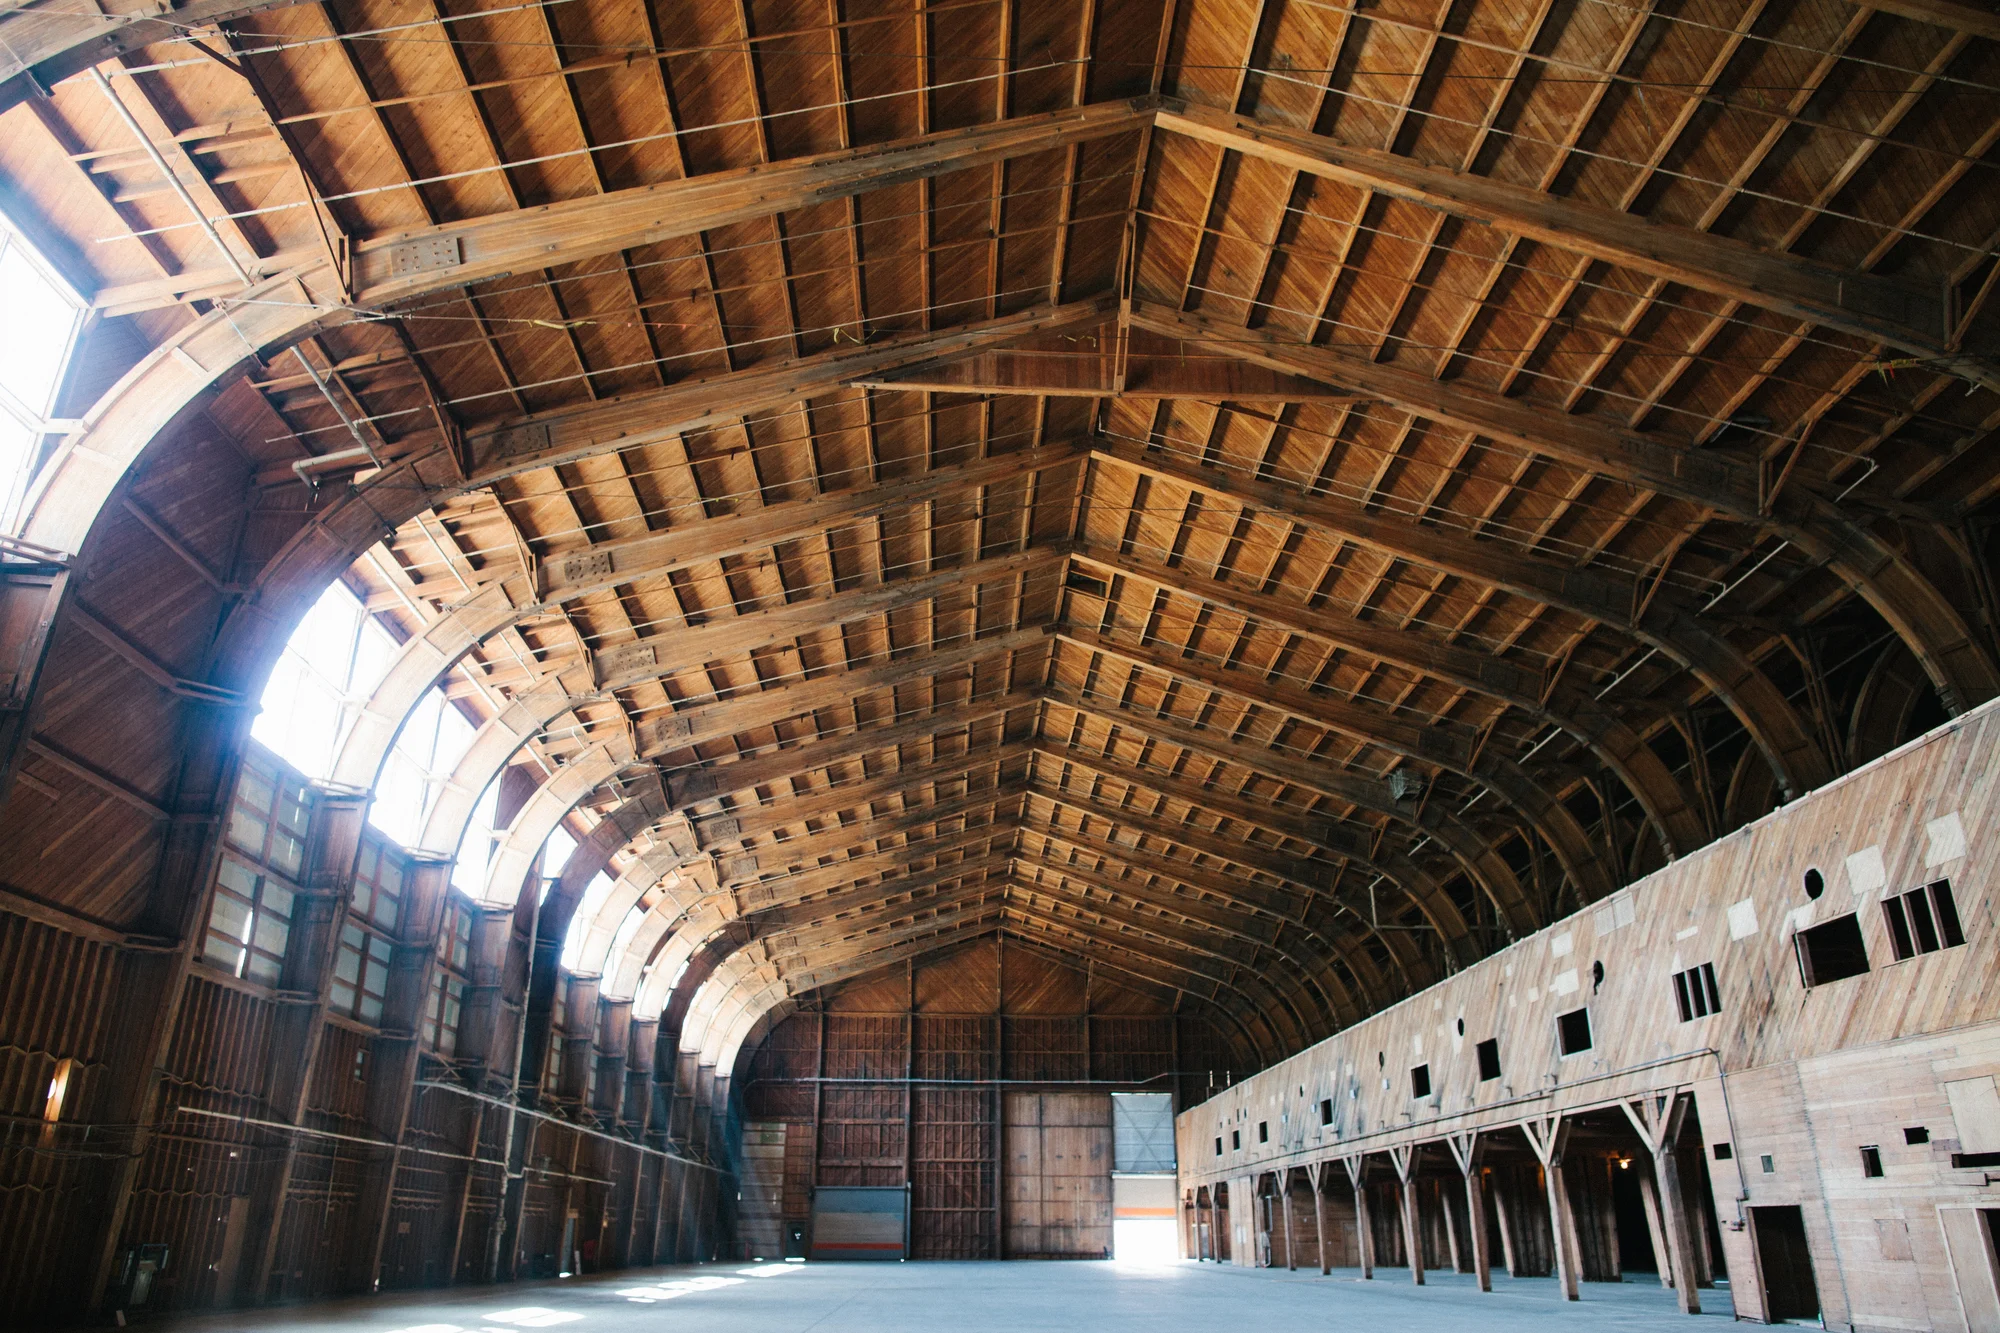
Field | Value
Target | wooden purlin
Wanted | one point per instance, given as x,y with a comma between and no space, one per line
1575,711
1962,670
1757,703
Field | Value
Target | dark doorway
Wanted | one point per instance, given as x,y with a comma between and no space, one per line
1786,1263
1635,1236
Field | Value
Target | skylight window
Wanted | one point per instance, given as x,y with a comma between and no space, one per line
332,662
37,338
593,898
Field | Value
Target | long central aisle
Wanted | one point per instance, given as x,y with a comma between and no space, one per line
980,1298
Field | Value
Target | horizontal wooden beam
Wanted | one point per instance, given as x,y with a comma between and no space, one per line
1730,675
1463,667
1909,318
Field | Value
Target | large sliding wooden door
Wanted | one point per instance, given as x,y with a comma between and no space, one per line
1058,1175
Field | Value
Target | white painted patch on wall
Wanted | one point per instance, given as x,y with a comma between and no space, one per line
1798,919
1615,914
1560,944
1864,870
1564,984
1687,934
1742,920
1947,837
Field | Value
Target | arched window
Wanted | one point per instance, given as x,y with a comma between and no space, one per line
37,339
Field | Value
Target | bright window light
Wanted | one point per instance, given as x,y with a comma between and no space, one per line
556,851
593,898
627,928
328,668
475,850
37,339
1144,1240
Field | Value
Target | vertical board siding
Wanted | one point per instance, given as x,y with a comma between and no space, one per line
1800,1075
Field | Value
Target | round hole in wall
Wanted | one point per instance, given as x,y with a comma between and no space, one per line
1596,975
1815,884
1461,1027
1381,1061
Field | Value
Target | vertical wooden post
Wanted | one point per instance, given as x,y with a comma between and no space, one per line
1364,1233
1291,1223
1656,1227
395,1058
1548,1136
1314,1172
1459,1264
1503,1213
1413,1238
1658,1120
1465,1151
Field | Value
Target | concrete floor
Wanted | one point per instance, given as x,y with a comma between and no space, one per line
980,1298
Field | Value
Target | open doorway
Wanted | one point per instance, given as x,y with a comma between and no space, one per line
1786,1263
1142,1178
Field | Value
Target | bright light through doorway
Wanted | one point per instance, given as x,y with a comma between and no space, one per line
1143,1240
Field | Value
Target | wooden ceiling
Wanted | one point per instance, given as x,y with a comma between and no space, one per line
1273,497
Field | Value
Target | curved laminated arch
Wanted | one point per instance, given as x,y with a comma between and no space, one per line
1616,744
1427,744
423,660
719,1050
1261,999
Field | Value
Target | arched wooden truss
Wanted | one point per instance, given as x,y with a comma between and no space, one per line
1270,498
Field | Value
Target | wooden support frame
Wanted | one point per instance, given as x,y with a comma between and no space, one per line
1406,1160
1658,1117
1465,1151
1549,1137
1364,1235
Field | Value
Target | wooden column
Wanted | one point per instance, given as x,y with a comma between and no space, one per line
1548,1136
1314,1172
1291,1223
332,848
1503,1214
1658,1120
1465,1151
1364,1235
1655,1228
1459,1263
395,1056
1413,1237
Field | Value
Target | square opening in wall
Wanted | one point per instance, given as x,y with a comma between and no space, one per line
1723,1152
1573,1032
1263,1131
1831,951
1871,1162
1235,1140
1488,1052
1916,1134
1326,1111
1420,1081
1218,1145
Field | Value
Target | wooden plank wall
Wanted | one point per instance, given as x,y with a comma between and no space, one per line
1059,1154
1786,1083
900,1078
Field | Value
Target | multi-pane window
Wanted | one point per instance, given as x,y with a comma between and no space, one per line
1695,993
442,1011
378,886
361,974
552,1067
36,340
446,1001
367,938
267,820
250,917
249,923
1923,920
